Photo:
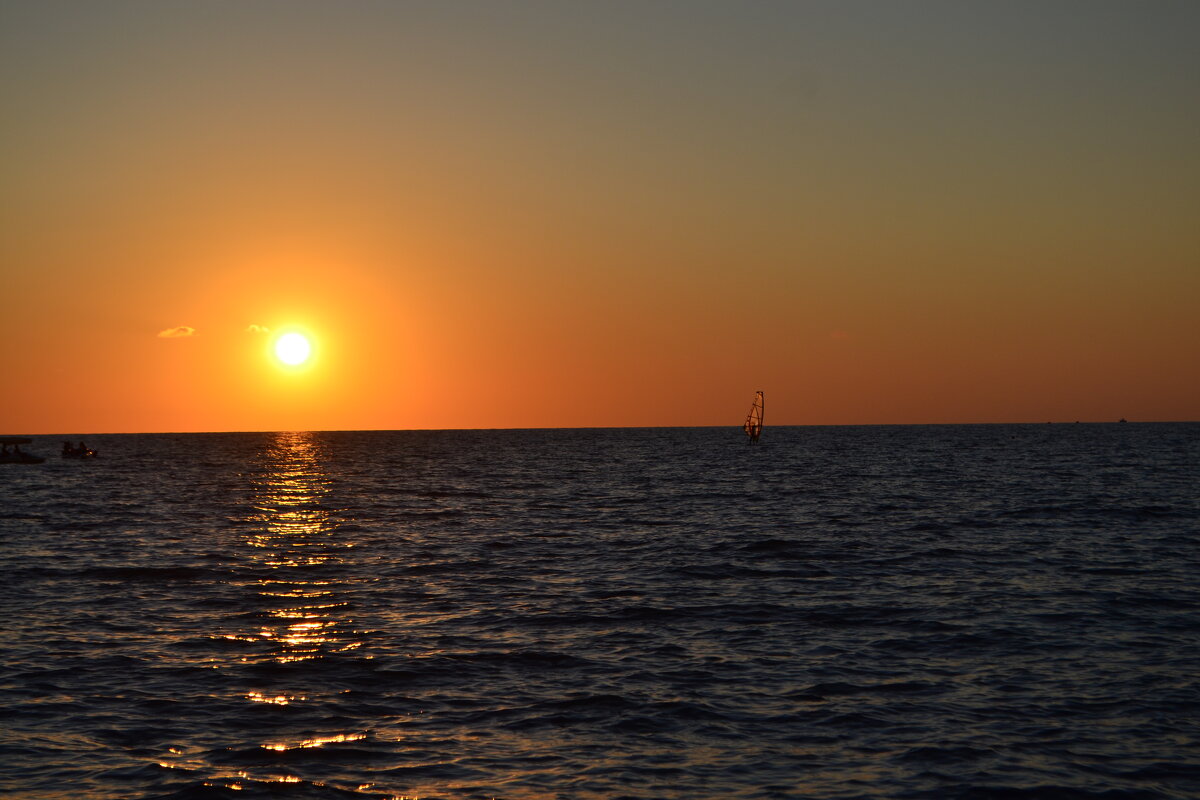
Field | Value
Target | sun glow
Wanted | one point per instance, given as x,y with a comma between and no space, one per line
292,349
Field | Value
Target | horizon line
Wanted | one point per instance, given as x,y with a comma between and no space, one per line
604,427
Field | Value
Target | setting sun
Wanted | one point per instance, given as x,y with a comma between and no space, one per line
292,349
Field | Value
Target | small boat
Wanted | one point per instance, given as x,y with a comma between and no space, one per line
82,451
16,455
754,420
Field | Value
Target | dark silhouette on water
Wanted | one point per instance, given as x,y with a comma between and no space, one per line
82,451
17,455
754,420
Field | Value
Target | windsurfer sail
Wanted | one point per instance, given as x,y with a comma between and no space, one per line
754,420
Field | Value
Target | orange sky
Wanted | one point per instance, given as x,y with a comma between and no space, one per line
597,215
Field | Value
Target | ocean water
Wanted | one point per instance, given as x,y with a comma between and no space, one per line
1003,611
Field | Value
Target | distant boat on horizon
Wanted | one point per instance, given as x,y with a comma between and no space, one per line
754,420
17,455
82,451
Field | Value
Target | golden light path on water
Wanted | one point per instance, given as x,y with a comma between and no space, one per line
294,553
305,619
294,539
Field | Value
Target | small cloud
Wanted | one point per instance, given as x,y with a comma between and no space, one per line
839,335
177,333
258,329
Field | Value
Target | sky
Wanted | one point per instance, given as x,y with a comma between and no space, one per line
570,214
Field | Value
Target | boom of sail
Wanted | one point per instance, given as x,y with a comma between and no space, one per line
754,420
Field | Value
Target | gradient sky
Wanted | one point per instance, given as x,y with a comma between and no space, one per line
597,214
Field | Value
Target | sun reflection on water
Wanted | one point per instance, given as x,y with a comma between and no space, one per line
277,700
318,741
294,616
300,611
294,537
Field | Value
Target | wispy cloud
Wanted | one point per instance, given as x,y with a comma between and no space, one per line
257,329
177,332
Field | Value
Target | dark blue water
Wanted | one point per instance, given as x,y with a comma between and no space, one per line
857,612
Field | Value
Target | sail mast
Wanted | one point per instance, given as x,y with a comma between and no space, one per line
754,420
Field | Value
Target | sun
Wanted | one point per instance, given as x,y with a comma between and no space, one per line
293,349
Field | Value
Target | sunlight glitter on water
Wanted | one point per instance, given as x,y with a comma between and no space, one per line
287,496
297,594
319,741
276,700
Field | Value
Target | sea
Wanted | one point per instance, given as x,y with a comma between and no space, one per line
958,611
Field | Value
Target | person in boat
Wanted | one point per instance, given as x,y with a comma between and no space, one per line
67,449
